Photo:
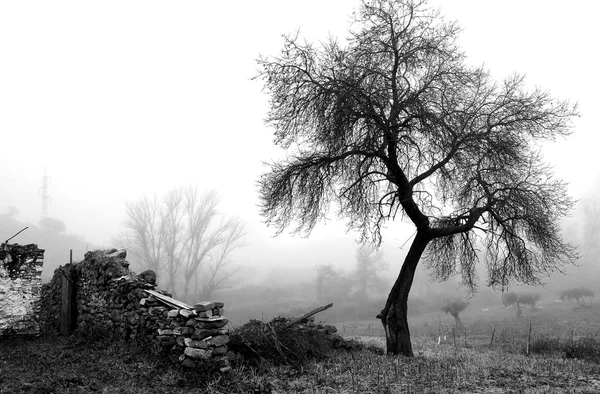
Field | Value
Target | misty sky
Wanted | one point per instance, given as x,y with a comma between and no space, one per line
118,99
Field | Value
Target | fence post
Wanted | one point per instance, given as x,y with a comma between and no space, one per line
529,340
571,338
492,340
453,336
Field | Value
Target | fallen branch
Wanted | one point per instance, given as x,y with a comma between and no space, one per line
307,315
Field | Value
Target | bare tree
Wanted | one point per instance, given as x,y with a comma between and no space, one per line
145,234
183,236
394,121
219,270
172,216
454,307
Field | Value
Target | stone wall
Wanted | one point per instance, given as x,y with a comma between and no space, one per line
111,300
20,286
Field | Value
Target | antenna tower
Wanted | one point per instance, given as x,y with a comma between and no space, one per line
44,193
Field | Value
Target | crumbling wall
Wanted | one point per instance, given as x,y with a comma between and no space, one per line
112,300
20,287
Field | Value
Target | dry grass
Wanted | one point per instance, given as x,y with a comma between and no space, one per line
59,365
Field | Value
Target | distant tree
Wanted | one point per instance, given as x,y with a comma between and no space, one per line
454,307
331,284
183,237
219,271
394,121
51,224
11,211
367,269
510,299
529,299
519,299
577,294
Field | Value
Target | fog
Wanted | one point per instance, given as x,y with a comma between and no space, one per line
118,100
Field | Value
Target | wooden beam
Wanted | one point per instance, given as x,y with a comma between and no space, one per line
307,315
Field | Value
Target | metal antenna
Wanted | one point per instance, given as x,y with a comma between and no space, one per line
44,193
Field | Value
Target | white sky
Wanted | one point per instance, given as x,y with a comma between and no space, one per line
124,98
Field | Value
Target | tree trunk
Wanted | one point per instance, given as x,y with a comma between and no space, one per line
458,323
394,314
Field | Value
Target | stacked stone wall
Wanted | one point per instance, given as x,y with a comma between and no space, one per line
111,300
20,287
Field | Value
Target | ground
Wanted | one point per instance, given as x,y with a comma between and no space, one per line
73,365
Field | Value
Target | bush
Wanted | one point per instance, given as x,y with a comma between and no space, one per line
545,345
587,348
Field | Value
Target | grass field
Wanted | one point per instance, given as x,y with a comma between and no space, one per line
72,365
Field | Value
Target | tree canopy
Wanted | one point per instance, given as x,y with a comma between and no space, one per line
393,122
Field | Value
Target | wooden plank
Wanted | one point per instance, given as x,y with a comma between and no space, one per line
169,301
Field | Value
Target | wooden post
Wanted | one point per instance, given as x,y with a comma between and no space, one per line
71,256
571,339
66,309
492,340
529,339
453,336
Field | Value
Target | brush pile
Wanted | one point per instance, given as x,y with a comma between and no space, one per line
286,341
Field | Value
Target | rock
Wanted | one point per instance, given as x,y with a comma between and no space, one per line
211,322
121,254
148,276
203,333
198,354
219,340
173,313
195,344
219,350
204,306
183,331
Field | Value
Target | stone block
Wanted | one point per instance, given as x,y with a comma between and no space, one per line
204,306
211,322
203,333
195,344
198,354
183,331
